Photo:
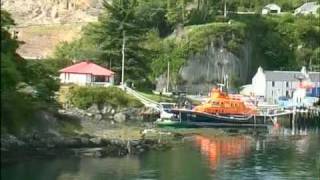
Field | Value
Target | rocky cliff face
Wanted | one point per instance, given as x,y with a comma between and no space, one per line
52,11
213,53
203,70
42,24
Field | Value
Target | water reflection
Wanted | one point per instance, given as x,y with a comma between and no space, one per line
272,154
218,149
73,169
300,126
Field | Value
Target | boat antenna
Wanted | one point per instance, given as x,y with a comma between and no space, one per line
220,85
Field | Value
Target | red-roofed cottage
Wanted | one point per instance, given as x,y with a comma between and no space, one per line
87,73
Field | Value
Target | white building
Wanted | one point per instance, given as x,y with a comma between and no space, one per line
258,83
86,74
273,84
271,9
307,8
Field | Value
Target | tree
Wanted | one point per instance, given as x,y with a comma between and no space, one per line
205,11
18,106
152,15
76,50
308,35
175,11
9,72
117,24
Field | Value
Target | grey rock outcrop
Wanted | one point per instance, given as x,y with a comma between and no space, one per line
10,142
202,70
94,109
120,117
107,109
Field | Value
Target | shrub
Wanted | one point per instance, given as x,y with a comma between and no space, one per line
84,97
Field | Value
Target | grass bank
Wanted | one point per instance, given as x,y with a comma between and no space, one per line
84,97
156,97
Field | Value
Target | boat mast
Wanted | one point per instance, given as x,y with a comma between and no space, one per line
168,76
226,81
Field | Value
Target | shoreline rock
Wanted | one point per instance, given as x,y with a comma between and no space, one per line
15,149
97,132
109,113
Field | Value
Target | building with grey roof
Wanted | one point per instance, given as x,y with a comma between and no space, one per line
274,84
307,8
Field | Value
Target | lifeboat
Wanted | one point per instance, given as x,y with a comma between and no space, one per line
221,109
223,104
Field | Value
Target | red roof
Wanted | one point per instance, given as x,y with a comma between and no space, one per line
87,67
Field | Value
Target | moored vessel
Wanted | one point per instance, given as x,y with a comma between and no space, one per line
221,109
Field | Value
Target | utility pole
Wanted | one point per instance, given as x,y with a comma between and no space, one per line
225,9
168,76
183,13
123,46
310,64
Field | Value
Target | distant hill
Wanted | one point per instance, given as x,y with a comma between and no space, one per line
52,11
42,24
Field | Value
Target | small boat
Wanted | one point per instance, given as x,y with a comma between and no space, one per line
221,109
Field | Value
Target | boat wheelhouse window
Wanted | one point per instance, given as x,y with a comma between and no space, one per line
215,103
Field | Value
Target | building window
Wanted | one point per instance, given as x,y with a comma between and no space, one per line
287,93
99,79
287,84
273,11
272,83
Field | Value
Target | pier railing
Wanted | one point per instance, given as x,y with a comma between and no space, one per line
144,100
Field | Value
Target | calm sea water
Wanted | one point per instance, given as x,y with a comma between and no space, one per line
279,153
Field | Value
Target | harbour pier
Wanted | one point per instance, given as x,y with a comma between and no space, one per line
295,114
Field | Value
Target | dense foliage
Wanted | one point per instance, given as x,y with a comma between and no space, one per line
153,34
176,51
84,97
284,42
26,86
158,32
78,49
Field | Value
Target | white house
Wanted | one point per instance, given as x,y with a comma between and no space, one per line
271,9
307,8
258,83
273,84
87,73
